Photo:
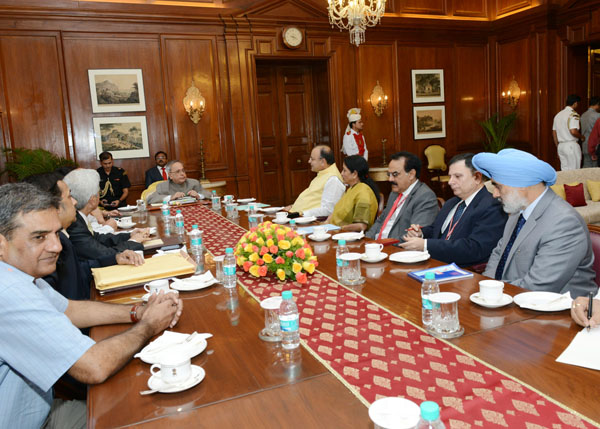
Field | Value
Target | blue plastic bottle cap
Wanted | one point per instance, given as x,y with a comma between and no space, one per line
341,242
214,192
286,294
228,250
429,276
194,226
178,211
430,411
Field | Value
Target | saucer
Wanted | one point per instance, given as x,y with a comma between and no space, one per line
127,208
379,258
246,200
409,257
305,220
506,299
281,222
190,284
349,236
125,225
146,296
155,383
173,343
271,209
319,237
543,301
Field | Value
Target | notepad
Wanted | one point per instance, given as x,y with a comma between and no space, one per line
445,273
584,350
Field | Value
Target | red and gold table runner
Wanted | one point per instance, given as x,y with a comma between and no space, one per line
376,353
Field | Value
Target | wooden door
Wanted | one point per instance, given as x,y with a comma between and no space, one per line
594,72
285,111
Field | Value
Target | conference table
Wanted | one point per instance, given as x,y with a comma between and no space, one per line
252,383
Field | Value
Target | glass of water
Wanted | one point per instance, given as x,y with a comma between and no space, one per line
445,323
351,274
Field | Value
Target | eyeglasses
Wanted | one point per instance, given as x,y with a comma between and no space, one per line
314,159
178,171
394,174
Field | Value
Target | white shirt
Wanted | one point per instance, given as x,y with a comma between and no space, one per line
332,192
564,121
96,226
388,226
467,201
349,146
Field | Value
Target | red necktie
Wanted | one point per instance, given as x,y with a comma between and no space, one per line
164,173
390,214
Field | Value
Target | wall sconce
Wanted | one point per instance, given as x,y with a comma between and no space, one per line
194,103
378,99
511,97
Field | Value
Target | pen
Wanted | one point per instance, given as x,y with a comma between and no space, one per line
589,309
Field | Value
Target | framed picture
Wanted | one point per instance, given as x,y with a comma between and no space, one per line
124,137
429,122
117,90
428,86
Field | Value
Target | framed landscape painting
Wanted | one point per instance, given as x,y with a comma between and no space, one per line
428,86
429,122
124,137
117,90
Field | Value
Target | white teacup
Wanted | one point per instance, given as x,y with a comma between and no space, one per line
319,230
491,290
172,369
281,216
127,220
372,250
157,285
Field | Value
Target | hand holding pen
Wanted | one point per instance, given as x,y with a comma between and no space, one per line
585,311
414,231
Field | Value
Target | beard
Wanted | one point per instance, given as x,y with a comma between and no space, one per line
513,202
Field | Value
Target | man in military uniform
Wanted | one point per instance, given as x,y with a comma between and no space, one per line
565,131
354,141
114,183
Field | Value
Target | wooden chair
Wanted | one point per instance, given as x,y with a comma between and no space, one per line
436,164
150,190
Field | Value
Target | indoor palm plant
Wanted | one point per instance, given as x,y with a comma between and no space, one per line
497,131
22,163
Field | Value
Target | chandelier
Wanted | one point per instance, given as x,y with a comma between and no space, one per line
356,16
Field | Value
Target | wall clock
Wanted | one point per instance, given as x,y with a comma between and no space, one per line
292,37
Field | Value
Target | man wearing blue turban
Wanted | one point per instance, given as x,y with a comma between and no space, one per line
546,244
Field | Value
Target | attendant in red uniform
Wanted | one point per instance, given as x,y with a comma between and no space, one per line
354,141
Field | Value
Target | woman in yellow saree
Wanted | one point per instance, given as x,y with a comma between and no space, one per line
357,209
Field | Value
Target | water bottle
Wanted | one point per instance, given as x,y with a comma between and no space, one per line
179,224
340,263
215,200
229,276
429,286
293,225
197,248
289,321
430,416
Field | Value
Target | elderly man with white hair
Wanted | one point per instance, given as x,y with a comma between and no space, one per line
85,185
178,185
546,244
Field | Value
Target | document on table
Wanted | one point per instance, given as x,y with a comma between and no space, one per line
584,350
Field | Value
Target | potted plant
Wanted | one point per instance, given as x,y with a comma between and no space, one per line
497,131
22,163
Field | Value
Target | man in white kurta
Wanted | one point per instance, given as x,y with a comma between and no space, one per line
325,190
565,131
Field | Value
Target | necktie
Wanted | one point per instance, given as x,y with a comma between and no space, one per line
509,245
457,214
164,173
390,214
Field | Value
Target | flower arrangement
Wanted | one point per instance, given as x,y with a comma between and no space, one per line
277,249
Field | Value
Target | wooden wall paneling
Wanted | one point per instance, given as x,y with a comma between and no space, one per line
33,88
382,127
506,6
471,8
322,112
99,51
195,59
426,7
343,90
514,60
471,89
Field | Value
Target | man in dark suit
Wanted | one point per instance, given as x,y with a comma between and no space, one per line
89,244
411,201
159,171
469,225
